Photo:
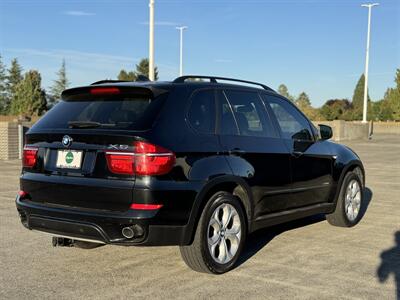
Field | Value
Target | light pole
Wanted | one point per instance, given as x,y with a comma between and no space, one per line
181,29
151,41
369,5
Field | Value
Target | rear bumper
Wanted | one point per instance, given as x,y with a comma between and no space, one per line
99,226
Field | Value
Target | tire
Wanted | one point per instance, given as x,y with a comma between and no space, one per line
227,236
348,215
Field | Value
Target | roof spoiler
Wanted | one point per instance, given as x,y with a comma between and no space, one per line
139,78
87,93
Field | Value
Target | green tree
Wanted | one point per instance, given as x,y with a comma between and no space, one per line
3,90
381,110
29,98
59,85
13,78
304,104
283,90
389,107
336,109
303,101
128,76
142,68
392,96
358,99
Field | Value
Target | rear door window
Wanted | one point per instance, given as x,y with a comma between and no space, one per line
121,113
227,122
201,114
250,114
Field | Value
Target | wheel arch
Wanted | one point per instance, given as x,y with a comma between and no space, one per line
349,167
231,184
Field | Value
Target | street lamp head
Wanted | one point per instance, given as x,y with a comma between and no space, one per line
369,4
181,27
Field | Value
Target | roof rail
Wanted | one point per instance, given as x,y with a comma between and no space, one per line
214,79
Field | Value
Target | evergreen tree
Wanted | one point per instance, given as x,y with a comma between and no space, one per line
358,99
304,104
59,86
29,98
283,90
143,69
128,76
3,90
303,101
13,77
392,96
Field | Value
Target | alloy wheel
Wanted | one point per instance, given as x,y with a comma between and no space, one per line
353,200
224,233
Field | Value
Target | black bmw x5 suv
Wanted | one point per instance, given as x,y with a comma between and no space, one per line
195,163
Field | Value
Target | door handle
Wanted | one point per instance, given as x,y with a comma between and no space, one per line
297,153
237,151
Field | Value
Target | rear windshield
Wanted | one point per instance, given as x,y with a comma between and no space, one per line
121,113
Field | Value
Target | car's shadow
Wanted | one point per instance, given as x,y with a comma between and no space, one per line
257,240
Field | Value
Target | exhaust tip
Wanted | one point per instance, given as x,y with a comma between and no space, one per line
128,232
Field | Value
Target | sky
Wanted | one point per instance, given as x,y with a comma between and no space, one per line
312,46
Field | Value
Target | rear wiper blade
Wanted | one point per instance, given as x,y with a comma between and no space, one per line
89,124
83,124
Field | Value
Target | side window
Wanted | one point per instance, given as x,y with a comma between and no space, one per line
227,123
292,123
201,114
249,113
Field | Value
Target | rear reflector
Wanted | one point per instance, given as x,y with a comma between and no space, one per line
146,206
22,194
146,160
29,157
105,91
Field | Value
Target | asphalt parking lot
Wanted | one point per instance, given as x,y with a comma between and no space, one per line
306,259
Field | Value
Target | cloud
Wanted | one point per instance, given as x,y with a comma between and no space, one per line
82,67
161,23
223,61
78,13
85,62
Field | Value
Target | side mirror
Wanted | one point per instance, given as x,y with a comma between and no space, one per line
325,132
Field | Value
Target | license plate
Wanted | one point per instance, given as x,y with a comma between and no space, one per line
69,159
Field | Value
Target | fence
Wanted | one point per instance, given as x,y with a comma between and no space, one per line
344,131
12,133
12,139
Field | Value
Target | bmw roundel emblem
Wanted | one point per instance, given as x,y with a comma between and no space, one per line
66,141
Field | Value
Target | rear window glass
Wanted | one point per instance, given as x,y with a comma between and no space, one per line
122,113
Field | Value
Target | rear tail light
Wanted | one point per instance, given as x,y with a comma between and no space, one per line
152,160
146,160
29,157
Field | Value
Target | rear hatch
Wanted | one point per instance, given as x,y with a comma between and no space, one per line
67,153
